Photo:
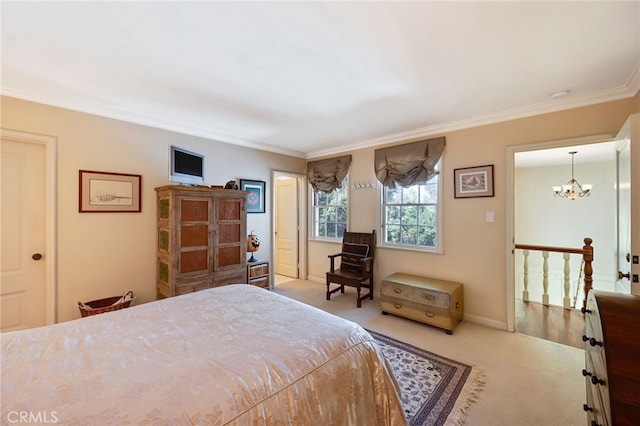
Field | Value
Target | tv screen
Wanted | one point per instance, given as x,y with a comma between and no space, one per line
187,167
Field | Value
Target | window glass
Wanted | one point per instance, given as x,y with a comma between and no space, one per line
330,212
410,216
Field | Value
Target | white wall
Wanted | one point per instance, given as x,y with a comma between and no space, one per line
106,254
542,219
475,251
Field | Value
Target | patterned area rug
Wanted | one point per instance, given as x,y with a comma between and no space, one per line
435,390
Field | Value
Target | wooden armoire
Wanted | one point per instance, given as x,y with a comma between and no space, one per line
202,238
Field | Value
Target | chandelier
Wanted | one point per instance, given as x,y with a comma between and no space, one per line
572,189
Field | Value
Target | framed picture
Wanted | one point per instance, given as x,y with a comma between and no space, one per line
255,199
109,192
472,182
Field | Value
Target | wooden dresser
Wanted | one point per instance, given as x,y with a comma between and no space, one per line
612,358
428,300
258,273
202,239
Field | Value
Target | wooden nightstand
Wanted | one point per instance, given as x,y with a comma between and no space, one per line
258,273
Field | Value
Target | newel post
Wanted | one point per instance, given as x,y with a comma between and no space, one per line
587,256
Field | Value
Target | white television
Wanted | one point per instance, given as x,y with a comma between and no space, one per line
186,167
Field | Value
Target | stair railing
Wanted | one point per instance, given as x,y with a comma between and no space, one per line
587,256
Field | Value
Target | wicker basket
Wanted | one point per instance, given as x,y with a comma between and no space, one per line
109,304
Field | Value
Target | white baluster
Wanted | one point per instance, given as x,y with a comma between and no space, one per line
545,278
566,300
525,275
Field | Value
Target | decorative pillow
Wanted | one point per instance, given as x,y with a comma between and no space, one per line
352,254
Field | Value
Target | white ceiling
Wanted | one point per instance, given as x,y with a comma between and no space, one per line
316,78
589,153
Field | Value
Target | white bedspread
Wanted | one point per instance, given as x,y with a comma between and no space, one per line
234,355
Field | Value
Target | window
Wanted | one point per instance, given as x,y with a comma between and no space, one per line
411,216
330,212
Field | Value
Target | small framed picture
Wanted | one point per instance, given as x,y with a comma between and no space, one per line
470,182
104,192
255,199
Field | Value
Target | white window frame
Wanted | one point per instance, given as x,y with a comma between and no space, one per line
437,249
313,212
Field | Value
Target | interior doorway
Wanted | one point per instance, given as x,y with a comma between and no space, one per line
623,211
289,253
535,217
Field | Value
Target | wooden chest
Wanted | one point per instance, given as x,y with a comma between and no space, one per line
428,300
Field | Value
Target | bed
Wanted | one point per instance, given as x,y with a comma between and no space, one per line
232,355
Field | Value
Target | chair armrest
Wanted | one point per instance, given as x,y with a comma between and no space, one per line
332,258
366,263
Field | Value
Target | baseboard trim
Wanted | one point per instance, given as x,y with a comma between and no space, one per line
321,280
488,322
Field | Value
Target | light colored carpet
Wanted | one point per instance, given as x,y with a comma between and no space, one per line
529,381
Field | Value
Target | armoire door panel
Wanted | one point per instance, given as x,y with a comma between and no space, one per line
194,235
194,210
228,256
229,210
193,261
229,233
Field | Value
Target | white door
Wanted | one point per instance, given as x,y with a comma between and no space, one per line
623,190
23,257
286,227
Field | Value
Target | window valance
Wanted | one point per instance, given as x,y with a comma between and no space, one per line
408,164
328,174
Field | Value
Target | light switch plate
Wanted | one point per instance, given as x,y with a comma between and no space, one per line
489,216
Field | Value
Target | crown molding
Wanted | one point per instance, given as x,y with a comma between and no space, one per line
634,80
630,89
81,105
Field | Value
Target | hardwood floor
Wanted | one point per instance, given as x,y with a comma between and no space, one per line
552,323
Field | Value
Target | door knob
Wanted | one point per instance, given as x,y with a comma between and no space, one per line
36,256
621,275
